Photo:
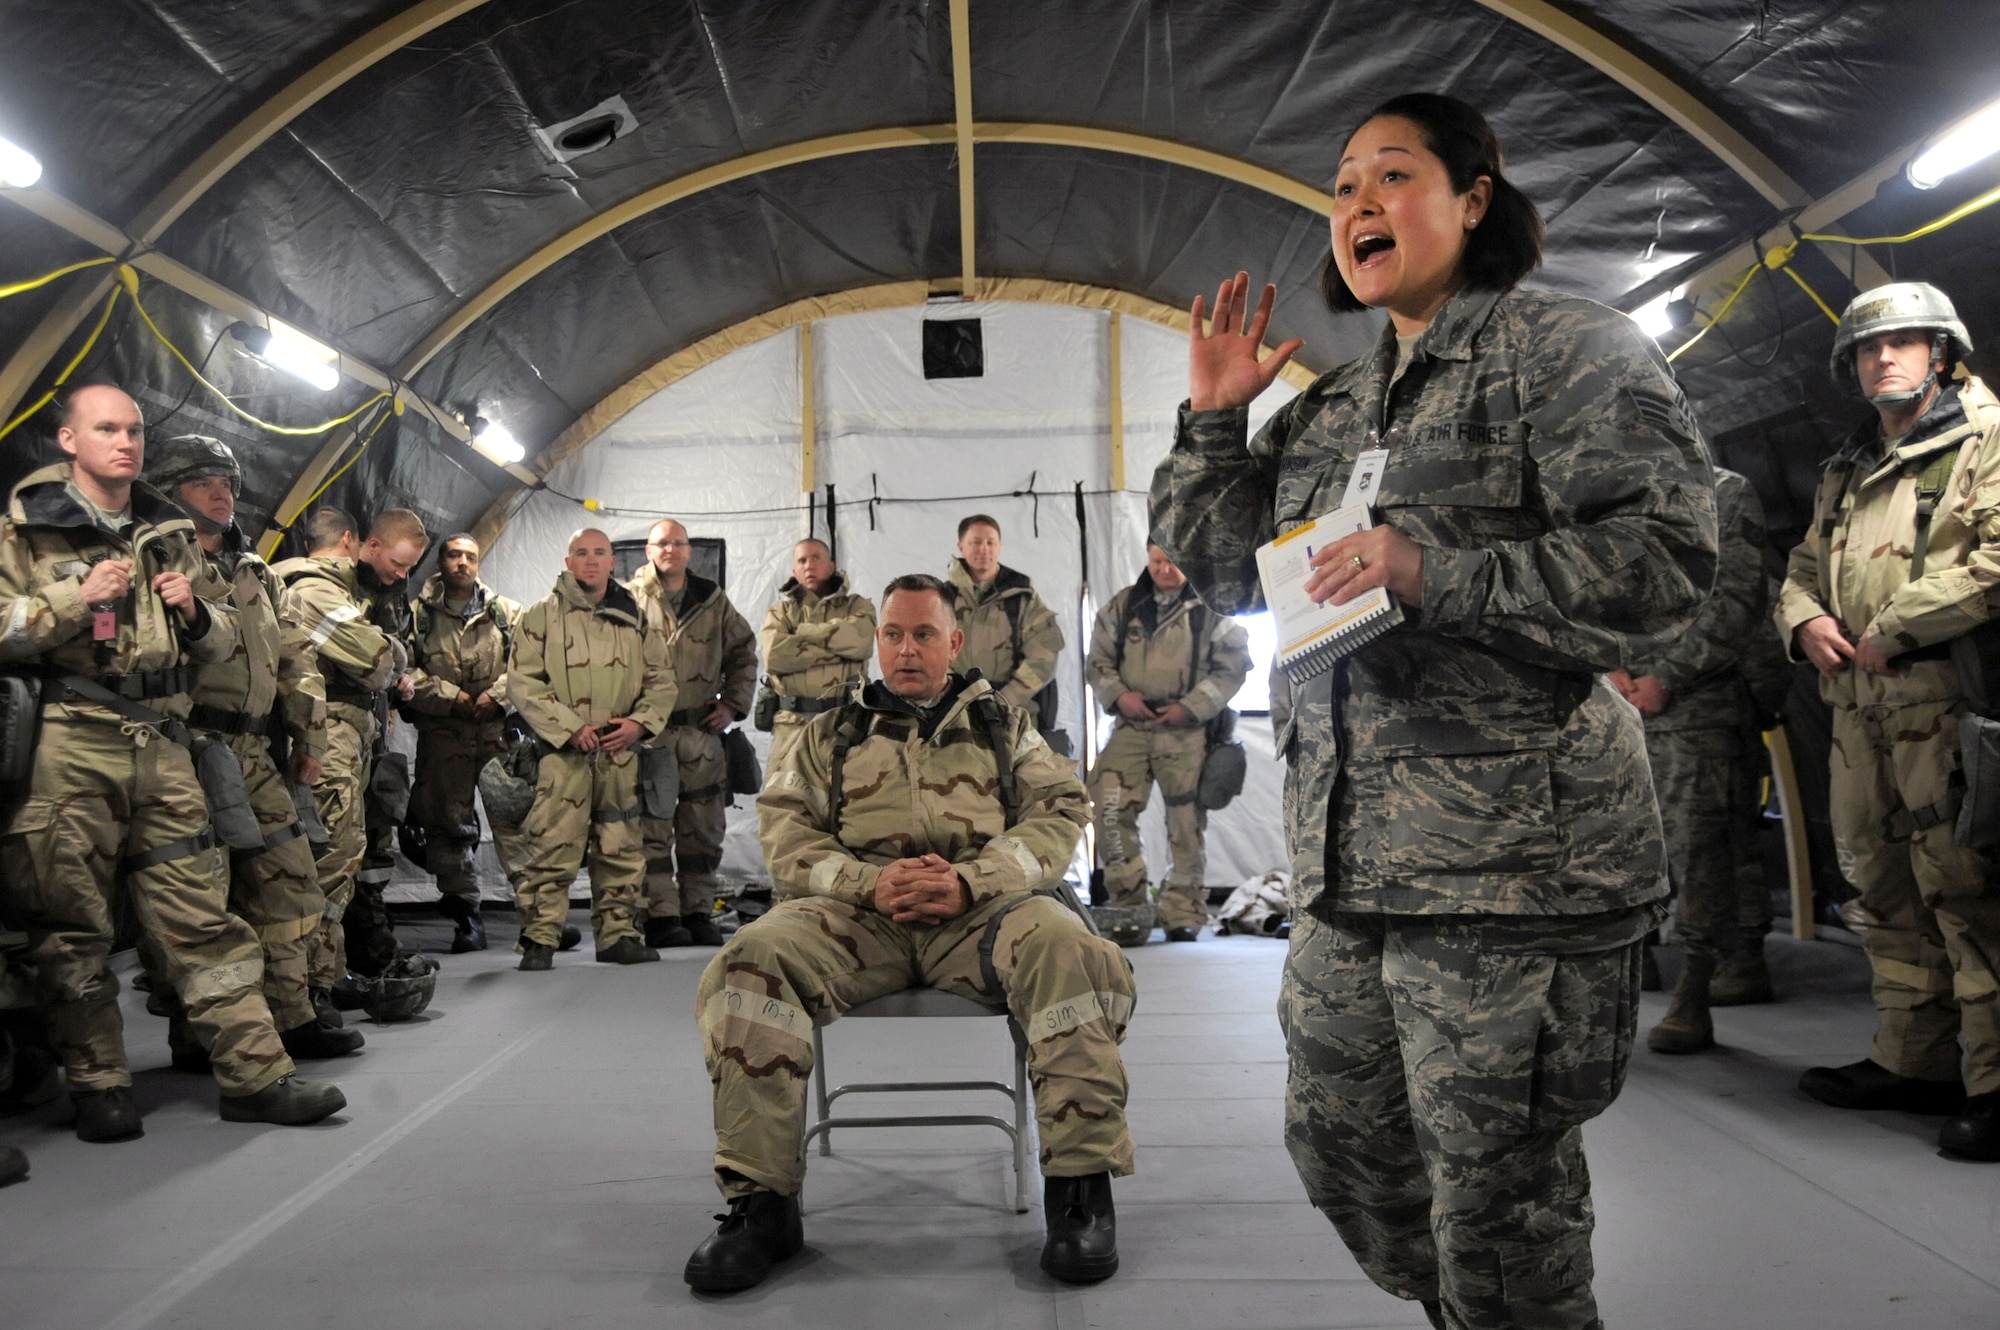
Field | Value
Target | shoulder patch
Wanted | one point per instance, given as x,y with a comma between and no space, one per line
1670,413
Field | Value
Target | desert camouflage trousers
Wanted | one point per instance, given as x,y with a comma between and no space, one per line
586,805
1934,940
339,799
1441,1069
682,855
810,960
100,796
1121,784
1707,782
276,891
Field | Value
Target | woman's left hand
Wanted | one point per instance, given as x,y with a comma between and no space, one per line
1380,556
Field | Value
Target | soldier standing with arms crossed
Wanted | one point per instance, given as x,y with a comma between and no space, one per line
1165,666
816,642
269,677
458,695
98,578
593,681
713,656
1903,558
1475,849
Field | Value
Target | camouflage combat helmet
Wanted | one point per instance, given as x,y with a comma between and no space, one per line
1895,308
507,797
191,457
401,991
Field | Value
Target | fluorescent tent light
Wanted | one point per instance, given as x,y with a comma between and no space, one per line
1967,143
1652,316
300,356
498,444
19,168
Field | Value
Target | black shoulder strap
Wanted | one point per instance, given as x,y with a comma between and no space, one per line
1124,631
991,714
1014,607
850,727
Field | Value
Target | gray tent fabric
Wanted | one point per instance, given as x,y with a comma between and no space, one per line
383,207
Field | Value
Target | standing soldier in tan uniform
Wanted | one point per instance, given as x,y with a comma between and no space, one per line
593,682
816,642
459,693
268,680
1903,557
1011,636
329,595
924,827
713,654
1703,745
98,593
1165,665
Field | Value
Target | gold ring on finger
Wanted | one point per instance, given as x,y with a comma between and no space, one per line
1358,564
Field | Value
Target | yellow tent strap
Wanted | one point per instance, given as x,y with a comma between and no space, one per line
224,397
17,288
1959,213
110,302
345,467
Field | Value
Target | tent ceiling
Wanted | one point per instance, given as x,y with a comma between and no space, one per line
401,176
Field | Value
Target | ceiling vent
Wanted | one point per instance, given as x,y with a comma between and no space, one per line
599,127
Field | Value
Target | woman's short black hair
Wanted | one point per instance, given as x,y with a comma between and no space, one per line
1507,244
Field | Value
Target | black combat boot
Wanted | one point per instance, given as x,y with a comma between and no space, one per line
760,1230
571,938
666,930
323,1009
1867,1084
627,951
1975,1133
106,1115
313,1041
536,956
701,930
1686,1028
1082,1246
1183,934
13,1165
348,993
468,928
287,1102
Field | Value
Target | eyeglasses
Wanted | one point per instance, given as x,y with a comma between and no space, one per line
669,544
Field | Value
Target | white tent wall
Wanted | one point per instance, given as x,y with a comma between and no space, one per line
908,457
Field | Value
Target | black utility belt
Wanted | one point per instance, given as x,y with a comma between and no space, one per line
809,706
138,686
221,720
687,716
352,697
1935,651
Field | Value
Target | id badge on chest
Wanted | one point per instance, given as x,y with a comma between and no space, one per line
104,624
1366,480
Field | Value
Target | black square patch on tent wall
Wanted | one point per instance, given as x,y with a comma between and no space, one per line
953,349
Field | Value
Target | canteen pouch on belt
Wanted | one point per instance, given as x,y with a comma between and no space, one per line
1978,825
1225,766
739,759
764,711
20,729
659,781
221,777
307,808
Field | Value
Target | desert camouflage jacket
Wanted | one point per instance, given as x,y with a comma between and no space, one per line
273,664
324,597
1856,559
709,645
817,646
1473,762
1730,647
904,795
48,542
577,662
986,615
459,654
1159,657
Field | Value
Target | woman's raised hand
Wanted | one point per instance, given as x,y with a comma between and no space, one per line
1223,369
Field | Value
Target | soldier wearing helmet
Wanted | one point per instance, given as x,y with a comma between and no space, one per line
1903,557
271,670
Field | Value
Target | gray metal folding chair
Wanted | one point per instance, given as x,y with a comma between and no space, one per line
930,1002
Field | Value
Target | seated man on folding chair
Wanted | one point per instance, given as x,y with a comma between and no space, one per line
927,827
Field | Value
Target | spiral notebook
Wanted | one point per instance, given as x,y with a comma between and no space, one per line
1312,637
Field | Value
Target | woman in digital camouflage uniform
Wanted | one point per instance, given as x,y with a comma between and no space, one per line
1476,850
